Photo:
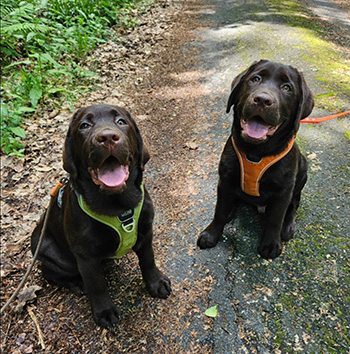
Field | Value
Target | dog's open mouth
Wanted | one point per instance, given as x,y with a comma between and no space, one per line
111,173
255,128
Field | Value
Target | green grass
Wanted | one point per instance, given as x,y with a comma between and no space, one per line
44,45
331,69
347,135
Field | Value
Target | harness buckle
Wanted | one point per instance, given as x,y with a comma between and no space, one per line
127,220
64,180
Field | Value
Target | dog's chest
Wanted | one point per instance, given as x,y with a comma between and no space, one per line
252,172
125,224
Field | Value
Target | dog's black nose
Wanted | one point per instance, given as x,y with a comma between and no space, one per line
108,138
263,100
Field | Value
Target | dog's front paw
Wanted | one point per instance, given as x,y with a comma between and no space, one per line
288,231
270,249
159,285
107,316
77,287
207,240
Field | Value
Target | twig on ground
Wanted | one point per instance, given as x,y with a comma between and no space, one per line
74,334
40,333
7,332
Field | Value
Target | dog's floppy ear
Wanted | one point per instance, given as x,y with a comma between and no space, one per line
145,155
306,101
237,83
68,157
142,149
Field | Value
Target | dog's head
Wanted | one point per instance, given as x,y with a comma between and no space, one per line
104,145
269,99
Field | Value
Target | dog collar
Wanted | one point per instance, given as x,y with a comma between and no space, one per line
252,172
125,224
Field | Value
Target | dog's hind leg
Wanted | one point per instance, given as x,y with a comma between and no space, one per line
58,267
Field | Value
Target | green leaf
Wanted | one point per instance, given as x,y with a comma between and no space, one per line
19,132
212,311
35,94
7,149
24,109
49,58
17,153
30,35
57,89
59,72
4,110
21,62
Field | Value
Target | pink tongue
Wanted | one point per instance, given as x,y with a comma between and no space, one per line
256,130
113,178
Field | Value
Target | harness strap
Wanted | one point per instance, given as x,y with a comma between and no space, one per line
125,225
252,172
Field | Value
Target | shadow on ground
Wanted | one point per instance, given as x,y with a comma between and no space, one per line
298,302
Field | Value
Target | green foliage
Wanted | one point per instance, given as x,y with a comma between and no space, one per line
44,44
347,134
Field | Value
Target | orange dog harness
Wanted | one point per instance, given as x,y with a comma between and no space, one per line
252,172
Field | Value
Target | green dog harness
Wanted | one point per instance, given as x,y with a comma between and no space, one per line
125,224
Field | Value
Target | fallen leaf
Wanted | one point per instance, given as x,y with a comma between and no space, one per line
191,145
26,295
212,311
53,114
306,338
312,156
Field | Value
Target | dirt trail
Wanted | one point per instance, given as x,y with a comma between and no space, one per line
330,11
176,83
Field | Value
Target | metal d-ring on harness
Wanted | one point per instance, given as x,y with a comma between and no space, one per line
127,220
124,224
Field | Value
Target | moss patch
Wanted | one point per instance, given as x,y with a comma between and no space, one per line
330,66
330,69
347,135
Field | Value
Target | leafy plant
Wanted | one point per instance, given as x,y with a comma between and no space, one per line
44,45
18,28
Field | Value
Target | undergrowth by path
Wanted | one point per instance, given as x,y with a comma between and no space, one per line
44,47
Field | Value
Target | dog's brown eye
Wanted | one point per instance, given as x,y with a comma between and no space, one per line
121,121
286,88
84,125
255,79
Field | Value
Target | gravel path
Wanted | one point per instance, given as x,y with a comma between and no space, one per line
299,301
173,73
328,10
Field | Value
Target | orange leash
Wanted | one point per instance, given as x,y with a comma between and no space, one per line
322,119
56,189
59,185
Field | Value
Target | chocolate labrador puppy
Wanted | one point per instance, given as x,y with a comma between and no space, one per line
261,164
103,210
